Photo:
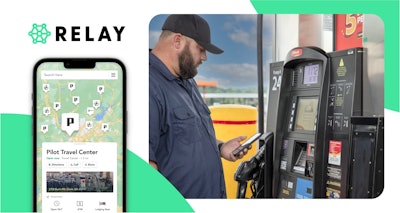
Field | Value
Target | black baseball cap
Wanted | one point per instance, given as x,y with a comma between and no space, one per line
192,26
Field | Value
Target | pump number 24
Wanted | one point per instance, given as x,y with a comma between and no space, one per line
276,82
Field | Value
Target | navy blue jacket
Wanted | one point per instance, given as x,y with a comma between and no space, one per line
181,135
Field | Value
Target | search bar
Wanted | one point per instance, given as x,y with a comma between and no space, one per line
79,75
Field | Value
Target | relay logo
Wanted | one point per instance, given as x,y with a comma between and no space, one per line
39,33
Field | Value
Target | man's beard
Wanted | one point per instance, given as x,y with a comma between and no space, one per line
187,68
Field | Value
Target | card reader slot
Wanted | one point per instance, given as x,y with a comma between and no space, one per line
300,156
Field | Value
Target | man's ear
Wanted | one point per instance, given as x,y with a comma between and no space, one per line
178,41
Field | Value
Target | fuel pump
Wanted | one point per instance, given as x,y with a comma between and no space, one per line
299,143
319,110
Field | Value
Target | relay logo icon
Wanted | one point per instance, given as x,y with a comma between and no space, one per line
39,33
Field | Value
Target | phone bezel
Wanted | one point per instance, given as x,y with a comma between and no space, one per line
79,63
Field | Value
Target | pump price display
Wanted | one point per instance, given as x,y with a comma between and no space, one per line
311,74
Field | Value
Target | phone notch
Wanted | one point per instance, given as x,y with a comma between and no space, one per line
79,64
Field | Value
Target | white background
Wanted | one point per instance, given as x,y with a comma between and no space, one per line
18,56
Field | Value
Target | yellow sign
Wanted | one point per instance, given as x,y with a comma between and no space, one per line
341,70
341,64
285,191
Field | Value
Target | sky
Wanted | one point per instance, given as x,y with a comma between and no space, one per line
237,36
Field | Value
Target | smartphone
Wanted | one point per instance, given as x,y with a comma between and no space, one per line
246,144
79,135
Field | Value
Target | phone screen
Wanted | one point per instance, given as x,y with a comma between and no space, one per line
79,135
252,139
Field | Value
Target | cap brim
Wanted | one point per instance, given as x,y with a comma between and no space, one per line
211,48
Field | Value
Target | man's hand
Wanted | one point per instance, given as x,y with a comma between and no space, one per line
153,164
228,147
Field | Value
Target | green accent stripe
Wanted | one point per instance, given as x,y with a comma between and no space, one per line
387,10
16,163
147,189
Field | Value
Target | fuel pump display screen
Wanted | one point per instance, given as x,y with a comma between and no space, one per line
306,113
311,74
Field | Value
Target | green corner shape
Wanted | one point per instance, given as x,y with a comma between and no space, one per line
387,10
147,189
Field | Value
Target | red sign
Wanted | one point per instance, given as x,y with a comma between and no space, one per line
335,152
349,31
296,52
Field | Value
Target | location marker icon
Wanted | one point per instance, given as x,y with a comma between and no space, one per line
57,106
100,89
46,87
75,100
104,127
46,111
90,110
89,124
71,86
70,122
44,129
96,104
